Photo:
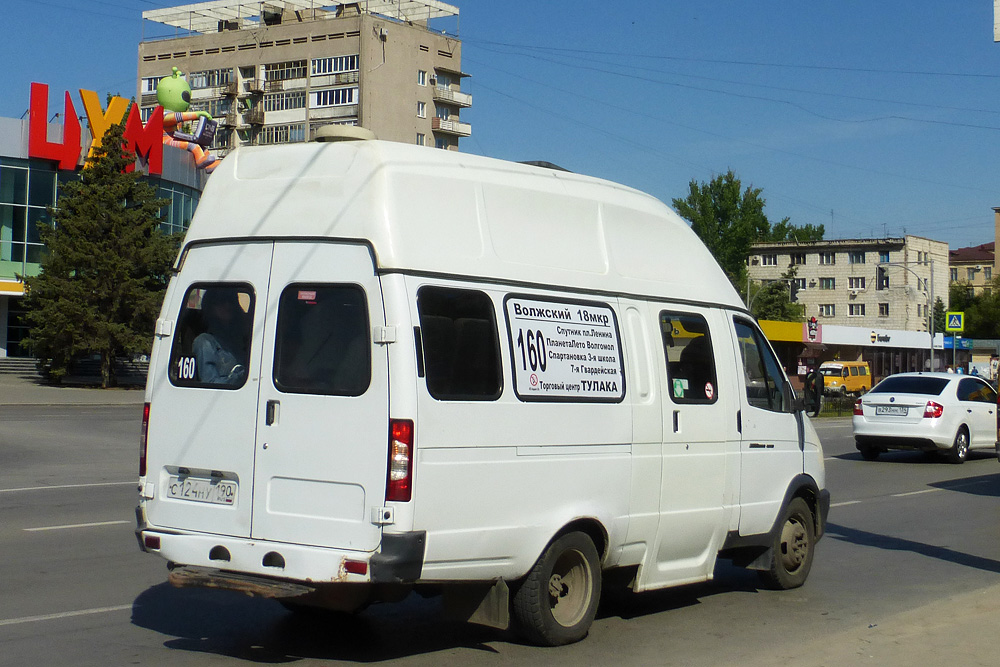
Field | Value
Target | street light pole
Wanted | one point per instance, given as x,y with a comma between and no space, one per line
928,300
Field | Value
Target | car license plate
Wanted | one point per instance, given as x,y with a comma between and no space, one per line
898,410
218,492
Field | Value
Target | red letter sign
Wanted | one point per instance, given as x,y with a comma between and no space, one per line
68,152
146,142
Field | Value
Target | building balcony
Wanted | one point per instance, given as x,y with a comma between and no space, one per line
253,117
448,126
149,100
459,99
327,113
231,89
254,86
227,120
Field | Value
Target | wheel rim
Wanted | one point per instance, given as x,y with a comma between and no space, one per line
570,588
794,544
961,444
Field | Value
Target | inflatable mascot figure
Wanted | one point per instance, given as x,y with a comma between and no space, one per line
174,95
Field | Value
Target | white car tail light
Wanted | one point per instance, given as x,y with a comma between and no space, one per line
400,477
933,410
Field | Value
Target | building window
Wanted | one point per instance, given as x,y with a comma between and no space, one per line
883,310
282,134
421,139
334,65
210,78
421,110
856,283
421,77
215,107
971,274
881,278
856,257
920,310
828,258
769,260
856,310
284,101
988,272
294,69
954,275
441,143
883,256
828,283
149,84
333,97
827,310
797,258
799,283
444,113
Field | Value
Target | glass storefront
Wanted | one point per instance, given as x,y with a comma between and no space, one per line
27,189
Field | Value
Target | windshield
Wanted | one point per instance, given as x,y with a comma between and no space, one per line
910,384
830,370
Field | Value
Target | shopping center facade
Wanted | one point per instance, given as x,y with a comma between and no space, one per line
29,185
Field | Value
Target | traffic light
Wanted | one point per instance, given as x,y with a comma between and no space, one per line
793,290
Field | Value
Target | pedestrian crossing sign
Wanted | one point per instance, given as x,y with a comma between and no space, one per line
954,322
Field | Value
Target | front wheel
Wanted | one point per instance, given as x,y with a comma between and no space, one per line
557,601
960,448
792,548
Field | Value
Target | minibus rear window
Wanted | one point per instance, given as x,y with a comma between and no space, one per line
687,346
212,343
460,344
322,342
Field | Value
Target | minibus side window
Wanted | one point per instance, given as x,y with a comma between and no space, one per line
764,381
687,347
322,344
212,340
460,344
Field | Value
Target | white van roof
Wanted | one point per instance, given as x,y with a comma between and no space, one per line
444,212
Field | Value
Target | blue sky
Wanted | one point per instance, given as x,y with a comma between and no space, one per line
871,118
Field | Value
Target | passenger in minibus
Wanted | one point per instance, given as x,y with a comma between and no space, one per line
219,349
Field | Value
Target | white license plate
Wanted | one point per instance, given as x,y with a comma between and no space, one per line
218,492
898,410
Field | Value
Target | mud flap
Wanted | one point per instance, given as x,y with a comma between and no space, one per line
482,604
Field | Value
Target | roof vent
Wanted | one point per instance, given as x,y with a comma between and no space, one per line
330,133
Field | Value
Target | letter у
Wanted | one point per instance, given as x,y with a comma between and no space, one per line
67,152
99,119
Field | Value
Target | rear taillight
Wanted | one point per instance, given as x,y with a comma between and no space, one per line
933,410
399,485
857,408
142,440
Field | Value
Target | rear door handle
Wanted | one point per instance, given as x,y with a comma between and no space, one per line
271,412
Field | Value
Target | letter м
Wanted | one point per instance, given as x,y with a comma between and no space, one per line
67,152
146,142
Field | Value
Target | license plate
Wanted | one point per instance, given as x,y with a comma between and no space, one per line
217,492
898,410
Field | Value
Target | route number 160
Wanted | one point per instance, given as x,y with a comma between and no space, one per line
532,350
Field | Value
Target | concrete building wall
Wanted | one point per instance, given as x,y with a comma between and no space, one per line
842,277
390,55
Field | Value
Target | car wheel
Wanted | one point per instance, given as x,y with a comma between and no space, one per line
868,452
792,548
960,448
557,601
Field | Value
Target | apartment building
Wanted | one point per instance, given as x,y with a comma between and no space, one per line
973,267
889,283
272,72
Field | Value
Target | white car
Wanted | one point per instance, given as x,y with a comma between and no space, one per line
931,412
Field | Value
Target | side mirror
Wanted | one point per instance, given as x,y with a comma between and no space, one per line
813,399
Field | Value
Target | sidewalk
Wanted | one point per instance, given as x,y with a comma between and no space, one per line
17,390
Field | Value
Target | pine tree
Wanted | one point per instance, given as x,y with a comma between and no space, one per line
105,268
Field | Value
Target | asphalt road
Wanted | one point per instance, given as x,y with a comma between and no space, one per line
912,552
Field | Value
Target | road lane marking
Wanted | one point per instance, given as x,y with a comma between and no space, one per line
65,614
76,525
846,502
915,493
67,486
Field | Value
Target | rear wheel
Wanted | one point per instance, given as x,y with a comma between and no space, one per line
868,451
793,547
960,448
557,601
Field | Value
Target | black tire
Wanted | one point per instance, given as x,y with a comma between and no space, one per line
792,548
868,452
557,601
960,448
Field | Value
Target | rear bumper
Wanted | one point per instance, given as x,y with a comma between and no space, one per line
399,558
920,435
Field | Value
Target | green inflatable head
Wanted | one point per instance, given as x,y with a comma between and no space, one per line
173,92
